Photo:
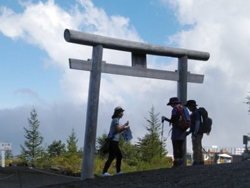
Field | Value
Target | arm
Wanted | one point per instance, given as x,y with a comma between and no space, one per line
163,118
120,128
197,126
197,123
174,117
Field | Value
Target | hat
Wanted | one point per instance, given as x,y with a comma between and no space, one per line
191,103
174,100
118,109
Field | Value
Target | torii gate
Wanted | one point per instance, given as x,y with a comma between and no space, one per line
139,69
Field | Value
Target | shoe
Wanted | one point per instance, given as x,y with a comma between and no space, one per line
195,163
118,173
201,163
106,174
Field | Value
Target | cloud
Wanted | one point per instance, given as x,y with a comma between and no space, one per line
42,25
222,29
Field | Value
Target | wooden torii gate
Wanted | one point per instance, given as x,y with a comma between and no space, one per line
139,69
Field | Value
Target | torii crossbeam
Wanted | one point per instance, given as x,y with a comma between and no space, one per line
138,69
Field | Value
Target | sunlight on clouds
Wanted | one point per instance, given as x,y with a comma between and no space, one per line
96,21
7,20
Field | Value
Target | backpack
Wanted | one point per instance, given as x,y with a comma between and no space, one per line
206,122
184,119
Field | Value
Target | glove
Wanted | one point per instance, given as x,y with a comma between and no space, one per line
163,118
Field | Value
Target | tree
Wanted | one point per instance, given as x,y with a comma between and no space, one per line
56,149
151,145
72,141
8,154
99,142
32,146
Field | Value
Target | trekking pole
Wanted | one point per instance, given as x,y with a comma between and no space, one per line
162,136
205,151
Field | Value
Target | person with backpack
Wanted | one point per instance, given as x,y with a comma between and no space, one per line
178,135
196,134
114,150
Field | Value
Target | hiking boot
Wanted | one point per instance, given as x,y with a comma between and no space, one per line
178,162
201,163
118,173
195,163
106,174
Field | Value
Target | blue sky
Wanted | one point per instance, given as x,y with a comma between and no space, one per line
34,68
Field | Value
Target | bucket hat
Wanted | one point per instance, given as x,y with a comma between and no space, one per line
191,103
174,100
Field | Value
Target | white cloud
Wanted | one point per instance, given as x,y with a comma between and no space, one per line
222,29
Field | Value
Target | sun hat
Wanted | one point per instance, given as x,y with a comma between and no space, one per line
119,109
174,100
191,103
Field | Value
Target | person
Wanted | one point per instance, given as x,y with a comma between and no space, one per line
114,150
196,135
178,135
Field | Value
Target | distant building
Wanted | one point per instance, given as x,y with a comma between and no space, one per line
239,151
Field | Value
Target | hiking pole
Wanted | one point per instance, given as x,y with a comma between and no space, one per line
204,151
162,126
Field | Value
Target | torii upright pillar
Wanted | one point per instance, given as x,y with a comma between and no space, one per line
92,112
182,90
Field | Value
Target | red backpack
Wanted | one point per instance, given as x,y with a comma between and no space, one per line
184,119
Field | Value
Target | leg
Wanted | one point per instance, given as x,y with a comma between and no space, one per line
199,149
112,155
118,159
181,151
175,149
178,152
195,152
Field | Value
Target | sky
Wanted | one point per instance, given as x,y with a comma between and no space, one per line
35,73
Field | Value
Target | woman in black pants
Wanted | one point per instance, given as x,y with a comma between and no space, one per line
114,150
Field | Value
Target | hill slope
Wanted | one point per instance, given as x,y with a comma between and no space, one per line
217,176
206,176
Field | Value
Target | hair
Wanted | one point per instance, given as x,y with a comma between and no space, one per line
116,113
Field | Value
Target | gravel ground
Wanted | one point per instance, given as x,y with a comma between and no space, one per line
234,175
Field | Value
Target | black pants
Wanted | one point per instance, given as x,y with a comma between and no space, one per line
114,152
178,149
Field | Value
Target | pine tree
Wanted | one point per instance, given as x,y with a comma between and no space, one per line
8,154
57,148
150,145
72,141
32,146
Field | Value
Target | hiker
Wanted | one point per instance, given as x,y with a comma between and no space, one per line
196,135
178,135
114,150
